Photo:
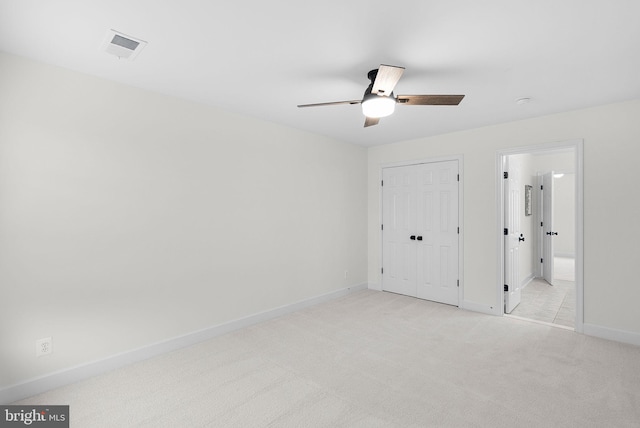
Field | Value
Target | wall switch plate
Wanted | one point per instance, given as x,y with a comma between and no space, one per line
43,347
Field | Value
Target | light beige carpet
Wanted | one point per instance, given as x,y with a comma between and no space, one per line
372,359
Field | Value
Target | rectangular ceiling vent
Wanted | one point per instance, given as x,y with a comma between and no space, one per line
121,45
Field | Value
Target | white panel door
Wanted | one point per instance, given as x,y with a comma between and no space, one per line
437,232
547,227
399,224
512,238
420,231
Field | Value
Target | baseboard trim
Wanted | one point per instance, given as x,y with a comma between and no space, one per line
479,307
75,374
527,280
612,334
373,286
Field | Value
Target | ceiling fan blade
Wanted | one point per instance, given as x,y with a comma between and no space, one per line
370,121
386,79
331,103
430,100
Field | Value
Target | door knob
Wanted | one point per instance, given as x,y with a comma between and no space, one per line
412,237
419,238
521,238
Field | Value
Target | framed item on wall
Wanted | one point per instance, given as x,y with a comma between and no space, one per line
527,199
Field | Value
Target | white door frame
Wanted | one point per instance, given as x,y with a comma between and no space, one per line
460,159
578,146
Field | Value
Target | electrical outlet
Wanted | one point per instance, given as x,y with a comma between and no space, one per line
43,347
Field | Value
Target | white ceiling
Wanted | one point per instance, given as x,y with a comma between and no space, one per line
262,58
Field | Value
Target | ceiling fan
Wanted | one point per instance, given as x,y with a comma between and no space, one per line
379,100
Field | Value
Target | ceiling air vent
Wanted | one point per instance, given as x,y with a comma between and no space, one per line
121,45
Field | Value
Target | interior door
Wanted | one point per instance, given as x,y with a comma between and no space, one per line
399,225
420,231
547,227
437,232
513,235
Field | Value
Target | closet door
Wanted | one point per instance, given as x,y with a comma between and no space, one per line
437,255
399,230
420,231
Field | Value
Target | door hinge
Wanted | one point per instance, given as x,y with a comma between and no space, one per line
541,187
541,224
541,260
382,183
505,174
506,231
382,227
506,287
381,270
458,283
458,177
458,230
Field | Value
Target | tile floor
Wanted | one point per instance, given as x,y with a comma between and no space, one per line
555,304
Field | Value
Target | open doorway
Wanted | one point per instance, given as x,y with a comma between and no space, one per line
540,212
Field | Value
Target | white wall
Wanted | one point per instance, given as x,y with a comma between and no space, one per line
527,247
129,218
611,134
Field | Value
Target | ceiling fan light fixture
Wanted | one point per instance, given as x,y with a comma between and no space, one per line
377,106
